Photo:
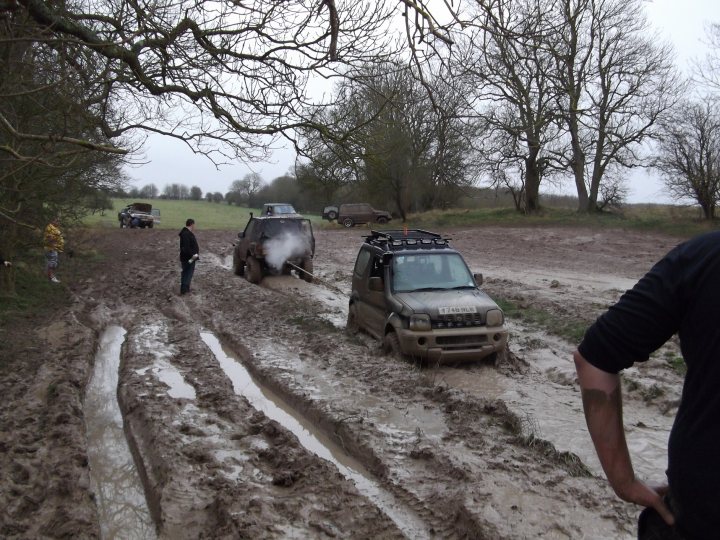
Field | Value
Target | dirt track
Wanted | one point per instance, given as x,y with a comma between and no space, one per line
468,452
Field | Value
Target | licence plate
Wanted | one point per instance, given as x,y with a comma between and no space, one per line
457,310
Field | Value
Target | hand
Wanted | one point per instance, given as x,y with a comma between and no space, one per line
7,263
196,257
639,492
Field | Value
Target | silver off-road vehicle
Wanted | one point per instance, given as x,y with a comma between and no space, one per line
414,292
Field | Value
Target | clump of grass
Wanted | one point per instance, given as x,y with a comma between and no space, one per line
677,364
569,329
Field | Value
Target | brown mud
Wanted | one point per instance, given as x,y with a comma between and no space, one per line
475,451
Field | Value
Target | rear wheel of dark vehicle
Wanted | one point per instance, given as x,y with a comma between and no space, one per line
238,266
348,222
254,270
391,345
352,326
332,215
307,265
151,225
382,220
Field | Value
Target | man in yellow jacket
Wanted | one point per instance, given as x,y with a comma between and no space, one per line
54,244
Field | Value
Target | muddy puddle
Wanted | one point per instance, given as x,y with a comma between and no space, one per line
549,403
119,494
274,407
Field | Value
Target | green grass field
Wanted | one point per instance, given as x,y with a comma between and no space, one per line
207,215
675,220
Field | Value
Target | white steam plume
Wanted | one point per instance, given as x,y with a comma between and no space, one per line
280,249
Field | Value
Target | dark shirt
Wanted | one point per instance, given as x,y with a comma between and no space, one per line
681,293
188,244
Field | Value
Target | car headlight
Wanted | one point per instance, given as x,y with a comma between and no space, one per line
494,317
420,322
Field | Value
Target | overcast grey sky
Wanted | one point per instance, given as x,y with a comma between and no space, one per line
682,22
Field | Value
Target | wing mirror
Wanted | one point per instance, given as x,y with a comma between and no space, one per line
478,279
376,284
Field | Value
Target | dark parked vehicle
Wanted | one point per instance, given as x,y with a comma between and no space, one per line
414,292
354,214
136,215
269,243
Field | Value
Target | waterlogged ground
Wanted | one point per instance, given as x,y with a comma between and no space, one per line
250,413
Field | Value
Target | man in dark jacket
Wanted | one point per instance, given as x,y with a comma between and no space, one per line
680,294
189,253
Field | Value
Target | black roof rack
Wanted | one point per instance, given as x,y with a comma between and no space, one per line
393,240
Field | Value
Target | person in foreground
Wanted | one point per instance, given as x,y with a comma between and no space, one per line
680,294
189,253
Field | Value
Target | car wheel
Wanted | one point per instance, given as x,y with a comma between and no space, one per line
122,225
238,266
254,270
307,265
352,326
332,215
391,345
348,222
382,220
150,225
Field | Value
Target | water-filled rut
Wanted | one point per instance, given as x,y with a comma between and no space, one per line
119,494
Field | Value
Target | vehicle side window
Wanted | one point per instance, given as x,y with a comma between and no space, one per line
362,262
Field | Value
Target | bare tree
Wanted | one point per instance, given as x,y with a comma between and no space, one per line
615,82
505,60
707,70
689,155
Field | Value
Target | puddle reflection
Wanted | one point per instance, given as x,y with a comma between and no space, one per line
119,495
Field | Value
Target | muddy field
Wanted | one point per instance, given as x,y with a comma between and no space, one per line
250,413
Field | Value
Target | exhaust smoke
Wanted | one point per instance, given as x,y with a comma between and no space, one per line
287,246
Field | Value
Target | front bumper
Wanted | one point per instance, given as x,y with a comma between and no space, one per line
453,344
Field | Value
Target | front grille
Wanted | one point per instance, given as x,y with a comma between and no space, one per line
466,342
458,320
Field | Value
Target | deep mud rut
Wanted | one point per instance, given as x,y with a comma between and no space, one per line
474,451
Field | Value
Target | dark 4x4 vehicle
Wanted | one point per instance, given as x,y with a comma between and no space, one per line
414,292
136,215
269,245
355,214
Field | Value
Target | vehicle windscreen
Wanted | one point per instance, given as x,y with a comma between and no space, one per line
430,271
283,209
276,227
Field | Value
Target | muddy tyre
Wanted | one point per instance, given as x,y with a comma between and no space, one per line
382,220
351,326
254,270
238,266
332,215
348,222
391,345
307,265
151,225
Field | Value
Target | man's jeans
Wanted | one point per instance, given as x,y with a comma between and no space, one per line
186,276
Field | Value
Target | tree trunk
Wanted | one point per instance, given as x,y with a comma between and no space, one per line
532,184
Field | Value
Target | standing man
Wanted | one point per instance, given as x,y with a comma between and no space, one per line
681,293
54,244
189,253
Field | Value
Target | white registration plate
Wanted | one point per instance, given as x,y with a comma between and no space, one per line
457,310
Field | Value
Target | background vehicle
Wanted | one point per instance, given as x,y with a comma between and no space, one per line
269,243
415,293
356,213
277,209
136,215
